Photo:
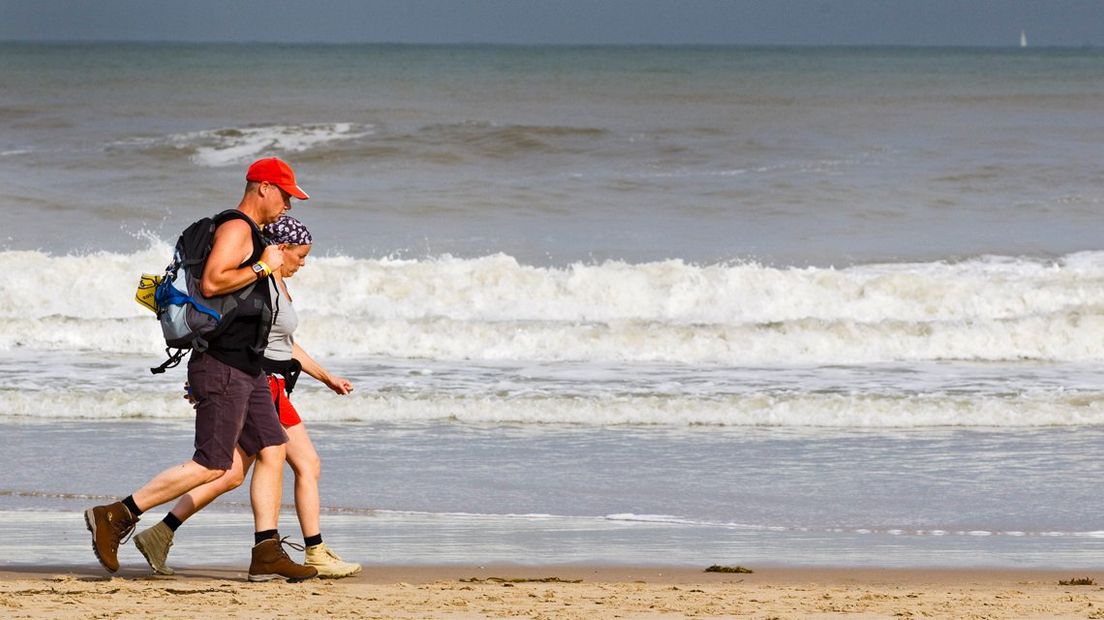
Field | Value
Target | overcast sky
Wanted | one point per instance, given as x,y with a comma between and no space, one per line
737,22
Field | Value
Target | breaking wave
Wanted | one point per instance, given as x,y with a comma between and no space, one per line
869,411
494,308
235,145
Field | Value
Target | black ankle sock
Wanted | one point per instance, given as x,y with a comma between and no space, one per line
172,521
128,501
260,537
311,541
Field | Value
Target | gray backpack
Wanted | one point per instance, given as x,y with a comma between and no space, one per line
189,320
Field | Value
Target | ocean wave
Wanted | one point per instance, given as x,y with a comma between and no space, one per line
497,141
436,143
233,145
798,410
499,288
887,531
1056,337
32,517
471,141
494,308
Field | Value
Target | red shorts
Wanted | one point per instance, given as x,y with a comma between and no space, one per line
288,415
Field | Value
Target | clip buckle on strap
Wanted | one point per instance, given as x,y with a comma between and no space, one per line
172,362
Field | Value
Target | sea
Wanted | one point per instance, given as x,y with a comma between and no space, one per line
676,306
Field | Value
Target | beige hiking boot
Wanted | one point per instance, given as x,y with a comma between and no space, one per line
329,564
270,561
111,526
154,543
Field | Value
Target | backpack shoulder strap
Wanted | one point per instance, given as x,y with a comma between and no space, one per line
195,242
234,214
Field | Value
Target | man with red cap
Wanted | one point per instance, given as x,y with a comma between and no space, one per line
235,414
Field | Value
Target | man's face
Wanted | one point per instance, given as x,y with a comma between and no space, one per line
276,201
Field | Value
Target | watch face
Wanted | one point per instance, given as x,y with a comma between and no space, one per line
257,268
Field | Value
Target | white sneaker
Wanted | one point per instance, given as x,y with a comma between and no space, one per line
329,564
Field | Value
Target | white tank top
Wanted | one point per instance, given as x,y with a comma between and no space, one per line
281,338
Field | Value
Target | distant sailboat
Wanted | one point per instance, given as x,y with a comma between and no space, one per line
1023,39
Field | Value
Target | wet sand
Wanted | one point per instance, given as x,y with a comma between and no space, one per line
553,592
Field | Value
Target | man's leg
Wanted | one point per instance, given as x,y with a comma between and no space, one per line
198,498
267,487
111,524
222,398
264,436
174,482
154,542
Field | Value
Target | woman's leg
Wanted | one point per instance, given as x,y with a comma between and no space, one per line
304,461
307,468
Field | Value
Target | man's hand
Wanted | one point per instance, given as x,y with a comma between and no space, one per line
188,395
273,256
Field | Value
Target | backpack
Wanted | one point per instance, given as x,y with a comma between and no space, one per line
189,320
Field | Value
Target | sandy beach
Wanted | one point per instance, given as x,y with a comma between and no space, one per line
554,592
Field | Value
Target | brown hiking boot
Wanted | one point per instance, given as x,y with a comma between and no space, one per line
111,526
270,561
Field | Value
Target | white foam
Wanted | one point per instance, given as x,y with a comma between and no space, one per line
776,410
222,147
1061,337
496,288
673,520
95,286
493,308
116,404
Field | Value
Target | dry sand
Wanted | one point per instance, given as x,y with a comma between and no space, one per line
553,592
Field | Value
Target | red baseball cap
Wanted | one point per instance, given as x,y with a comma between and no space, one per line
277,172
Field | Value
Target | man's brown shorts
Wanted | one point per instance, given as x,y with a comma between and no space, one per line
232,408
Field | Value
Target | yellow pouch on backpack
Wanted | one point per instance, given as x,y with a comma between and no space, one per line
147,285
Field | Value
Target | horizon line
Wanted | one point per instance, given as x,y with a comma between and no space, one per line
1013,45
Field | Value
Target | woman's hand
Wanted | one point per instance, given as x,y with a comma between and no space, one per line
188,394
341,385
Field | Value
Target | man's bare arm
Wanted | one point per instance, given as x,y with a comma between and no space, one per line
232,245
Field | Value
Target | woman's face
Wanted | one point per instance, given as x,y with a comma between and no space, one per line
295,256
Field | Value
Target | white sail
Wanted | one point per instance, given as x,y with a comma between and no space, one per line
1023,39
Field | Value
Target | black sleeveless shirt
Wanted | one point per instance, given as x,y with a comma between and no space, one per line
237,345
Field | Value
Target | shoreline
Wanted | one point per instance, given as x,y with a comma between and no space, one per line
598,573
555,591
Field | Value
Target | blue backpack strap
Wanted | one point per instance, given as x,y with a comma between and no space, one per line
168,295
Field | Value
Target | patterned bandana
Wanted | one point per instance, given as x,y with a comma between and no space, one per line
287,230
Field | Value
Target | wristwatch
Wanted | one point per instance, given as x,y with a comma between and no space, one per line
261,269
